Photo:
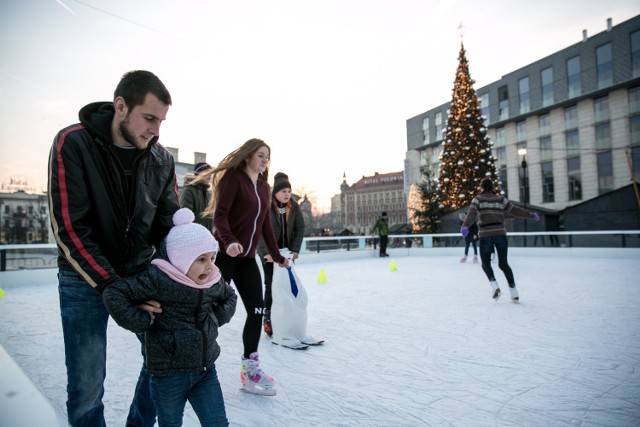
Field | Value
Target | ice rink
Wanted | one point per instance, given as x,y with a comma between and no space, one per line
424,345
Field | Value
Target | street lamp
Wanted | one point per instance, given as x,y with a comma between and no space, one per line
523,152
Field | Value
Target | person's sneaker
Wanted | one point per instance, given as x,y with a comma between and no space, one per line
496,290
475,259
266,324
514,294
463,259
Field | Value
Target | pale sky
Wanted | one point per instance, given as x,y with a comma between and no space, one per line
328,85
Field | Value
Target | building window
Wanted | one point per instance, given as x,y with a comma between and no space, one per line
635,161
573,143
634,128
635,53
604,67
547,182
634,100
605,172
425,129
573,171
546,153
504,183
603,136
574,82
500,140
438,126
523,92
634,114
571,117
546,76
503,103
544,124
601,109
521,131
484,107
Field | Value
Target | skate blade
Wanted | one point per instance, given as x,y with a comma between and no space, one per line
312,342
259,391
299,346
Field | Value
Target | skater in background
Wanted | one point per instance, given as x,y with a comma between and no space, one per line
196,195
240,207
488,210
471,239
180,342
112,192
288,227
382,228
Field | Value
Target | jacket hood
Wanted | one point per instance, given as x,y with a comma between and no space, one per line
97,118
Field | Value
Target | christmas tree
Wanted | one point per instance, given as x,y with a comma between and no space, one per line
466,155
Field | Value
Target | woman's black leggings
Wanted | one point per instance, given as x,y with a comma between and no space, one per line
245,274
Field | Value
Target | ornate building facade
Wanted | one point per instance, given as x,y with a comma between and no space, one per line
362,203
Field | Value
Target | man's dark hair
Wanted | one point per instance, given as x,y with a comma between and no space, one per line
135,85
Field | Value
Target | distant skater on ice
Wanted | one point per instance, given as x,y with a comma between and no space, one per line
488,210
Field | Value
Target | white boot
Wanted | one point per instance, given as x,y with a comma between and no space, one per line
514,294
496,290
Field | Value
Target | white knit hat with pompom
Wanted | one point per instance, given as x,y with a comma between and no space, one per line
187,240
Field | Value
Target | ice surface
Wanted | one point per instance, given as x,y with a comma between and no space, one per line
424,345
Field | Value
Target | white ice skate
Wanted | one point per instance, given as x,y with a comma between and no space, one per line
496,290
514,294
253,378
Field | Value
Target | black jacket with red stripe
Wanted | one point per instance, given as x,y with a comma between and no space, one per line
99,233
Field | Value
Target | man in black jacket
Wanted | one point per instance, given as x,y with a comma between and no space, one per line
112,195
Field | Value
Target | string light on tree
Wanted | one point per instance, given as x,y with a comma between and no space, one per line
466,155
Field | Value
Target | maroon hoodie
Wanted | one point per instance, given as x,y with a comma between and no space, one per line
242,214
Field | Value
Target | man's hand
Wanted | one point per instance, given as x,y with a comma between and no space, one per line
151,307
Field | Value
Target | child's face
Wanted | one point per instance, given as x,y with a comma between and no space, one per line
283,195
201,269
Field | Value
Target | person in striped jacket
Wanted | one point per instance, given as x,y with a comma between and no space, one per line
488,209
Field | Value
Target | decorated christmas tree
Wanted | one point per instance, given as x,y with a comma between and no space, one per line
466,155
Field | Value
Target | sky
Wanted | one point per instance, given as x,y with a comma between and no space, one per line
424,345
328,85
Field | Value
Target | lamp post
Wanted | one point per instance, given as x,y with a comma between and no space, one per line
523,152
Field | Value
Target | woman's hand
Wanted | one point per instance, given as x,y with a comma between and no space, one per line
234,249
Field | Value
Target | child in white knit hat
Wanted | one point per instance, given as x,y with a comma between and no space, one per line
180,342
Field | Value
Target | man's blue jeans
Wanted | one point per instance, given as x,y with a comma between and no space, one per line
84,326
202,389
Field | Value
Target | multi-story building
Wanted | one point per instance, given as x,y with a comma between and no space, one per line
565,128
24,214
363,202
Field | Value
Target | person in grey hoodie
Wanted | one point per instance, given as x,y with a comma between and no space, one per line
180,342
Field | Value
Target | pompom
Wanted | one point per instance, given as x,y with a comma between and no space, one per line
183,216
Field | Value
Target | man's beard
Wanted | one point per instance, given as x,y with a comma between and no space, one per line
128,136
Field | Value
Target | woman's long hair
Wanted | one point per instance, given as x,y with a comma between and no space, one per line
236,160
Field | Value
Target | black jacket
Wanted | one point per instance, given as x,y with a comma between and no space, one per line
292,238
183,337
100,234
196,196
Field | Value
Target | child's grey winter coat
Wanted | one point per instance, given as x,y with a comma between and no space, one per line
183,337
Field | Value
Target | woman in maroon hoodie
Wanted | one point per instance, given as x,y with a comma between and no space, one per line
240,209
